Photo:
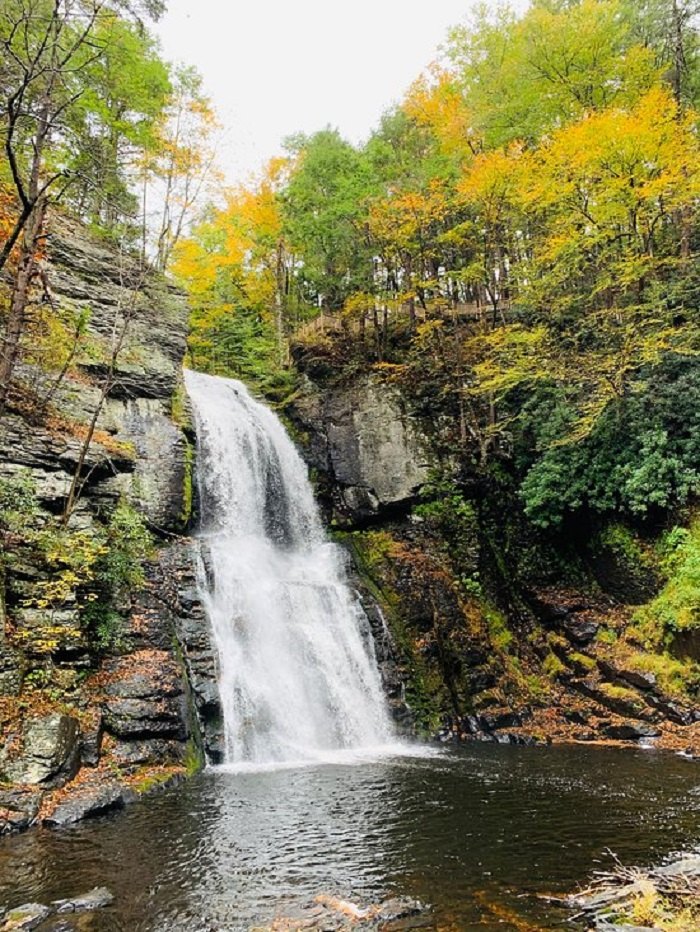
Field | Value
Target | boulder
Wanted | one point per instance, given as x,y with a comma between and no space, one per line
640,680
92,744
138,718
85,802
501,718
19,808
50,752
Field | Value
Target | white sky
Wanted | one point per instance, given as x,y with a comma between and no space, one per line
276,67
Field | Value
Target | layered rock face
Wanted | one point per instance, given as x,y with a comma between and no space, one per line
86,726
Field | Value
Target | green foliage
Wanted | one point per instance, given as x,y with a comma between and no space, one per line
127,544
88,86
582,661
194,758
552,666
643,454
322,208
676,677
18,502
635,561
677,607
188,484
454,517
500,635
525,76
91,572
125,91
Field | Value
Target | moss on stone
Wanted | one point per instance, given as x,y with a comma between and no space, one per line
194,758
187,484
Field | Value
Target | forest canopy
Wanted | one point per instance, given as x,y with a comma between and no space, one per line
517,239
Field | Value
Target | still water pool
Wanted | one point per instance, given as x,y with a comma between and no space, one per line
477,833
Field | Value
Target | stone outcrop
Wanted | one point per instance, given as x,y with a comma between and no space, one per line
19,808
49,755
362,438
86,801
198,651
476,636
146,699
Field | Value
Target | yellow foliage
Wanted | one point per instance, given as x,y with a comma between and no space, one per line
436,102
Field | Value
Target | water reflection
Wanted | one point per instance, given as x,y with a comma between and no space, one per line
475,833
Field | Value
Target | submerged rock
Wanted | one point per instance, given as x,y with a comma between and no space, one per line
27,916
97,898
31,915
602,926
335,914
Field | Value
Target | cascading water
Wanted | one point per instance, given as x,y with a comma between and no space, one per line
298,677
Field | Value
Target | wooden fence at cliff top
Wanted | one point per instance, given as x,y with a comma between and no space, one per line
334,323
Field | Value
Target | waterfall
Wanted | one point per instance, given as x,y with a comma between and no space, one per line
298,678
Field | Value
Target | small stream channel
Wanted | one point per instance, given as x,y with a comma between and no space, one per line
476,832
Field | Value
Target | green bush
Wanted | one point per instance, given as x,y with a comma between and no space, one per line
17,502
118,571
677,606
643,454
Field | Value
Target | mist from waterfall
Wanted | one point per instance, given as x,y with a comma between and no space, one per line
298,677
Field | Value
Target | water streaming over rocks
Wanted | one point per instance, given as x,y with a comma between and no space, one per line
298,677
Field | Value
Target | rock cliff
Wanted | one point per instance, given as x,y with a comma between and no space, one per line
101,678
363,441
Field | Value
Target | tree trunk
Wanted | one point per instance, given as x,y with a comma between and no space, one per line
14,327
279,305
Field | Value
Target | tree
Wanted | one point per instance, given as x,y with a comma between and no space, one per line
183,157
236,268
524,77
78,83
322,209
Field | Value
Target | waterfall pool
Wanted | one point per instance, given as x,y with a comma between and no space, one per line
477,832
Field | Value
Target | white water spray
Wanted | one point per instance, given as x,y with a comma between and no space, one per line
298,675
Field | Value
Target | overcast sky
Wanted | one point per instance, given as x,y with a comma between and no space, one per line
276,67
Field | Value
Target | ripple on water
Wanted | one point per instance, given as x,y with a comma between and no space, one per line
462,830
